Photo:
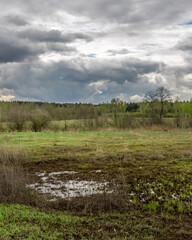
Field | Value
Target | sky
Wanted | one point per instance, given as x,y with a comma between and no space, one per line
94,51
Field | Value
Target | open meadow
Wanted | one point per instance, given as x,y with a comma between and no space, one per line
108,184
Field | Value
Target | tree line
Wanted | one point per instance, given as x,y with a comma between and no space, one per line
156,107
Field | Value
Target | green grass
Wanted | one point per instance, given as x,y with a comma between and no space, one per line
115,141
21,222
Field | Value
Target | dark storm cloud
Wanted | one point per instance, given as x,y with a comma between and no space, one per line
137,13
11,50
59,47
134,12
16,20
77,70
14,48
185,45
121,70
70,81
17,49
179,76
52,36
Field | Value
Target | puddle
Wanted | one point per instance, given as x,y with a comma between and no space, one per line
64,172
51,185
41,174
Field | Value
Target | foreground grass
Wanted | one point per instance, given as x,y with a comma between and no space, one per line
21,222
151,169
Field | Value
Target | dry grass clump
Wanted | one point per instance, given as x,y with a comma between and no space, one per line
12,177
12,183
12,155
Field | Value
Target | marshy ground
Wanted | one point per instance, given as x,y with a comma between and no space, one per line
141,180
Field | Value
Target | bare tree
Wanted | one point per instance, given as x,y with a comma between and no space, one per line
163,96
157,100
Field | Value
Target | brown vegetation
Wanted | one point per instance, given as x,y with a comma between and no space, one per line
13,179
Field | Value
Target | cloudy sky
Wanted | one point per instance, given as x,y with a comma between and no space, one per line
93,51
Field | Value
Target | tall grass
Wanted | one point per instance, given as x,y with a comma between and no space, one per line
12,155
12,184
12,176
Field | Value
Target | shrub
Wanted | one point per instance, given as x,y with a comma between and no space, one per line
127,121
16,119
40,119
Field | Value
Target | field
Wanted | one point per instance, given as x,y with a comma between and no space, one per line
145,186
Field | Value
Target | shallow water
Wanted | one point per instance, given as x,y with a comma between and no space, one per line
50,185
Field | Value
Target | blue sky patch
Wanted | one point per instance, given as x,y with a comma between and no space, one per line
91,55
186,23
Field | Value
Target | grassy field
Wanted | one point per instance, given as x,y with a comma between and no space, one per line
150,173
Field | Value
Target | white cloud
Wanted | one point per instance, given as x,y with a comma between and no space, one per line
6,94
98,87
6,98
136,98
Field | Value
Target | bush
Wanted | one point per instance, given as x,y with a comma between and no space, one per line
16,119
40,119
127,121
